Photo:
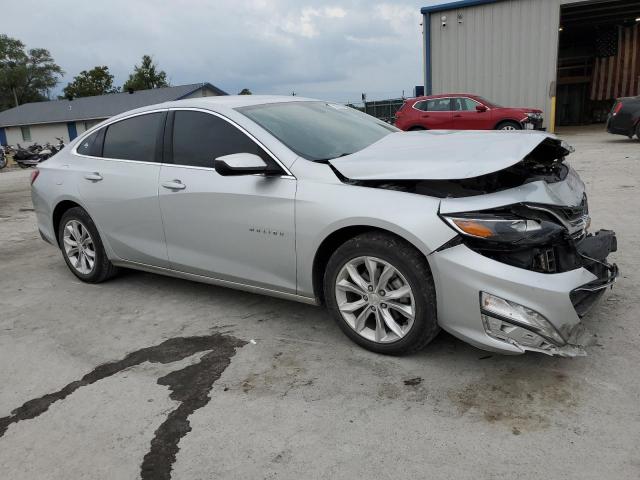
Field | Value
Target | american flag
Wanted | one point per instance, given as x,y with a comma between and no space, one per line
616,72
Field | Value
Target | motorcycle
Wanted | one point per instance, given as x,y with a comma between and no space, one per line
27,157
3,158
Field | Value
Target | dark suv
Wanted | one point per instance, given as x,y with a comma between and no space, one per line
624,118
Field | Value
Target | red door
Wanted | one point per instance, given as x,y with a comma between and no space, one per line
434,114
467,116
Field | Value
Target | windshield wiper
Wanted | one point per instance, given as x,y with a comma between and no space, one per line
321,160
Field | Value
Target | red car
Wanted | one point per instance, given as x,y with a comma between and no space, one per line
461,111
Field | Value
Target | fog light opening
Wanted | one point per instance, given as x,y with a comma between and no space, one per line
509,321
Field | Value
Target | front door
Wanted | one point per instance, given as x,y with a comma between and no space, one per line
236,228
467,117
118,172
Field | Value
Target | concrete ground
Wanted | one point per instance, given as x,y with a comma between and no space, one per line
112,381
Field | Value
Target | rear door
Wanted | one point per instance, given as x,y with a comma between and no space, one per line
435,113
235,228
467,117
118,169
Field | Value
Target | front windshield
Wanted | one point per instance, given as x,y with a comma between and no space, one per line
318,130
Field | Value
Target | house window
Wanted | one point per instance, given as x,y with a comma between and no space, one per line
26,134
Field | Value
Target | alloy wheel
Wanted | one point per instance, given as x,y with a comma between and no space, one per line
508,127
375,299
79,247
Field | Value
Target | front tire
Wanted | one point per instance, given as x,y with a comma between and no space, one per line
82,248
380,290
509,126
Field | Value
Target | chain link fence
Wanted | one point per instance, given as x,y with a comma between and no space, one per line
384,110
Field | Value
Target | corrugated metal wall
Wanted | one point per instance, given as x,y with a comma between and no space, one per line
506,51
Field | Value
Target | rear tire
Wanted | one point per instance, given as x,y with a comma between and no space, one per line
383,324
509,126
82,247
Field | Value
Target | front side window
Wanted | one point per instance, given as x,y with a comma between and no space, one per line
464,104
133,138
199,138
318,130
439,105
26,134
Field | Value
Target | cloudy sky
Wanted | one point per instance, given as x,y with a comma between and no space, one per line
331,49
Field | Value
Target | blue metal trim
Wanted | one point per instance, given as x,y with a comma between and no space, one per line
71,128
3,136
451,5
426,24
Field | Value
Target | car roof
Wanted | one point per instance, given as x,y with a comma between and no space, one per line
220,103
445,95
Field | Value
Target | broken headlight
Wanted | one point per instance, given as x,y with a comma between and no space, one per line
503,228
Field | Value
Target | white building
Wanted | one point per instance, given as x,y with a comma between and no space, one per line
42,122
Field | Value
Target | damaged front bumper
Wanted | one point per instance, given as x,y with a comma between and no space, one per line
538,311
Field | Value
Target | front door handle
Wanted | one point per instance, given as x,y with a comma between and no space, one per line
425,116
457,116
174,185
94,177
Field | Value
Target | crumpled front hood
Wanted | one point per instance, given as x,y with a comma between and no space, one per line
442,154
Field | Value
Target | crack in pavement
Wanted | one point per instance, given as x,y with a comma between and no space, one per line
190,386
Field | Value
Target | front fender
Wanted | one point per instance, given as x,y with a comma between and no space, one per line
323,209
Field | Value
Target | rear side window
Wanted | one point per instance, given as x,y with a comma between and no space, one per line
439,105
88,145
199,138
421,106
133,139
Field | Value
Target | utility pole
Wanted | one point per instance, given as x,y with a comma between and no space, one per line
15,96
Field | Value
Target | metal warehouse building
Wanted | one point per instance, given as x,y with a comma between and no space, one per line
570,58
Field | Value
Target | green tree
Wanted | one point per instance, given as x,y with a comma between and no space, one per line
25,75
146,76
97,81
245,91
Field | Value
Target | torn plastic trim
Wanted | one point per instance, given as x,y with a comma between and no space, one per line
601,283
526,339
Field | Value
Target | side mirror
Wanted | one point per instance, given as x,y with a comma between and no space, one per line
481,108
241,164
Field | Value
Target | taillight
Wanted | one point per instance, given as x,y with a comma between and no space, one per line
34,175
616,109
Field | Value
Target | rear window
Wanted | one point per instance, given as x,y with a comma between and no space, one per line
133,138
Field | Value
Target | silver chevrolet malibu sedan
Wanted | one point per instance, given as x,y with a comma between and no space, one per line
399,234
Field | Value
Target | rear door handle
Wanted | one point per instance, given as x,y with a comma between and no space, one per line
174,185
457,116
94,177
425,116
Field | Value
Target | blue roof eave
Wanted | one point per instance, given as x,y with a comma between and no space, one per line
452,5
